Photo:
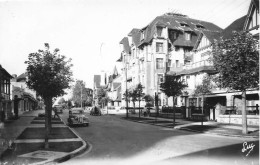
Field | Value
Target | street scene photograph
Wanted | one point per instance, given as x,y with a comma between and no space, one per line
129,82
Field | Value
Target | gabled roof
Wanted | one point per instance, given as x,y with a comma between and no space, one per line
5,72
211,36
237,25
115,72
97,80
174,22
136,35
253,4
22,77
116,85
120,59
119,96
125,44
134,30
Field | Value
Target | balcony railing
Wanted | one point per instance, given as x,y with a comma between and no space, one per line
197,64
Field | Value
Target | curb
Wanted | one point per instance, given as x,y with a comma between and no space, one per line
191,130
85,147
220,134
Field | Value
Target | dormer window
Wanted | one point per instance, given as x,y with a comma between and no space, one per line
159,31
173,35
142,35
187,36
199,26
184,24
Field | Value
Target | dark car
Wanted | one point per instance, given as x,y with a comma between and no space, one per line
58,108
77,117
95,111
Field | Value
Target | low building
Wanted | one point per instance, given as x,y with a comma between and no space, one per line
5,95
24,97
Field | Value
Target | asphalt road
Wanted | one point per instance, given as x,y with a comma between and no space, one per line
118,141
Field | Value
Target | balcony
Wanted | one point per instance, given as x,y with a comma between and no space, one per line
200,66
5,96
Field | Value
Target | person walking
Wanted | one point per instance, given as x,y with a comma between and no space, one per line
55,112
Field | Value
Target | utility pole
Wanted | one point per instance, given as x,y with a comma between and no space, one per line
81,94
126,93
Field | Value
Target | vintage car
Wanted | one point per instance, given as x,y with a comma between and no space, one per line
58,108
77,117
95,111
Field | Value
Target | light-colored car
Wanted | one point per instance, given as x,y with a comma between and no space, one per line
77,117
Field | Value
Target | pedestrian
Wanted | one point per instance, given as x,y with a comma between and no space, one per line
55,112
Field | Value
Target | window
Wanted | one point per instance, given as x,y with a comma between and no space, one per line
187,36
169,63
160,78
173,35
159,31
177,63
159,47
184,24
142,35
159,63
200,26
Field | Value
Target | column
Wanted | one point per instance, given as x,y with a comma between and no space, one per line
230,100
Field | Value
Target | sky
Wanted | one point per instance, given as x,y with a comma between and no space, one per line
89,31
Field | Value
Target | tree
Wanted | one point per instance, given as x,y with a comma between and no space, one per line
49,73
203,89
69,104
62,102
237,61
139,94
172,86
126,96
80,94
133,95
102,97
149,100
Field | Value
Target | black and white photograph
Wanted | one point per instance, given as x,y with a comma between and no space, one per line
129,82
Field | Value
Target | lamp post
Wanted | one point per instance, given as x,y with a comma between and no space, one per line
80,92
126,92
81,95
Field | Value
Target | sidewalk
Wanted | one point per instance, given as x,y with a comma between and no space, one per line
22,141
210,127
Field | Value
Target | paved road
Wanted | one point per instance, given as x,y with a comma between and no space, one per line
117,141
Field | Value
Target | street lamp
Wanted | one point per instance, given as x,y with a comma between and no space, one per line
80,91
81,95
126,93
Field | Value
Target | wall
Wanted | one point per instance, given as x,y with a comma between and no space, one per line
237,119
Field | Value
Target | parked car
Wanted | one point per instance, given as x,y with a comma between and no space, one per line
58,108
77,117
95,111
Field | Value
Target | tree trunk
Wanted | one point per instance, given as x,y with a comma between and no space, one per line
48,112
202,109
244,116
134,106
173,111
139,109
126,108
